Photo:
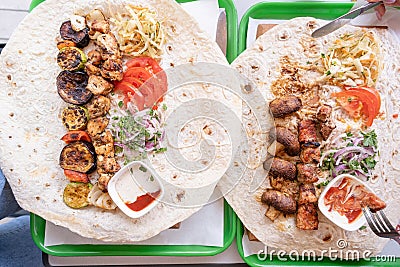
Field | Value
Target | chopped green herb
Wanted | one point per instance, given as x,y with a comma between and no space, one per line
143,169
324,183
370,139
164,106
322,55
328,72
120,104
151,178
362,227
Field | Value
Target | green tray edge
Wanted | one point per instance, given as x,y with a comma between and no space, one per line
253,261
288,10
262,11
231,21
38,224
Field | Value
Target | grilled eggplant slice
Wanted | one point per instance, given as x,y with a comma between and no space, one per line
79,156
71,87
76,195
71,58
75,117
81,38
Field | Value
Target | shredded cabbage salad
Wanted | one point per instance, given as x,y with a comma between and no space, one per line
139,33
137,134
352,154
353,60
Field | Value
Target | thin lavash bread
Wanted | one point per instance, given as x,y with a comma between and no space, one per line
31,128
261,64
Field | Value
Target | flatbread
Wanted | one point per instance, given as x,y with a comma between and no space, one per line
261,64
31,127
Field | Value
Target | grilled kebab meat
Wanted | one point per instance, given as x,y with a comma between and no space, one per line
285,186
288,139
324,113
308,133
98,106
326,130
307,217
279,201
282,168
307,173
310,155
283,106
307,194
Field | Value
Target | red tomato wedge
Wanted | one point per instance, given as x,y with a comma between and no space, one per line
145,62
137,72
73,136
131,93
370,102
146,75
74,176
372,92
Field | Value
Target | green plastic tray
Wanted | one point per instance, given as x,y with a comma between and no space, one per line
289,10
254,261
231,21
286,11
38,224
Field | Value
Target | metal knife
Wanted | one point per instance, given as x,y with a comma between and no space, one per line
342,20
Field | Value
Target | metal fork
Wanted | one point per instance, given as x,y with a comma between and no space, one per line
380,225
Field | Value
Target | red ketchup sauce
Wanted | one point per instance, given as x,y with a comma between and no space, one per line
143,201
338,199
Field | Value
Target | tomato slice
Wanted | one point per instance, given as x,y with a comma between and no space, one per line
138,72
74,176
131,93
372,93
73,136
145,62
369,105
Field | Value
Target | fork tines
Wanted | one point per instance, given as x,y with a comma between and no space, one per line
379,223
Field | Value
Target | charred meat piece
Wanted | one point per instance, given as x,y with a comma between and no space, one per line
283,106
279,201
103,180
94,57
288,139
283,168
285,186
271,213
107,164
98,106
99,26
80,38
310,155
324,113
307,217
92,69
308,133
307,194
104,144
112,69
109,46
307,173
326,130
97,126
98,85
